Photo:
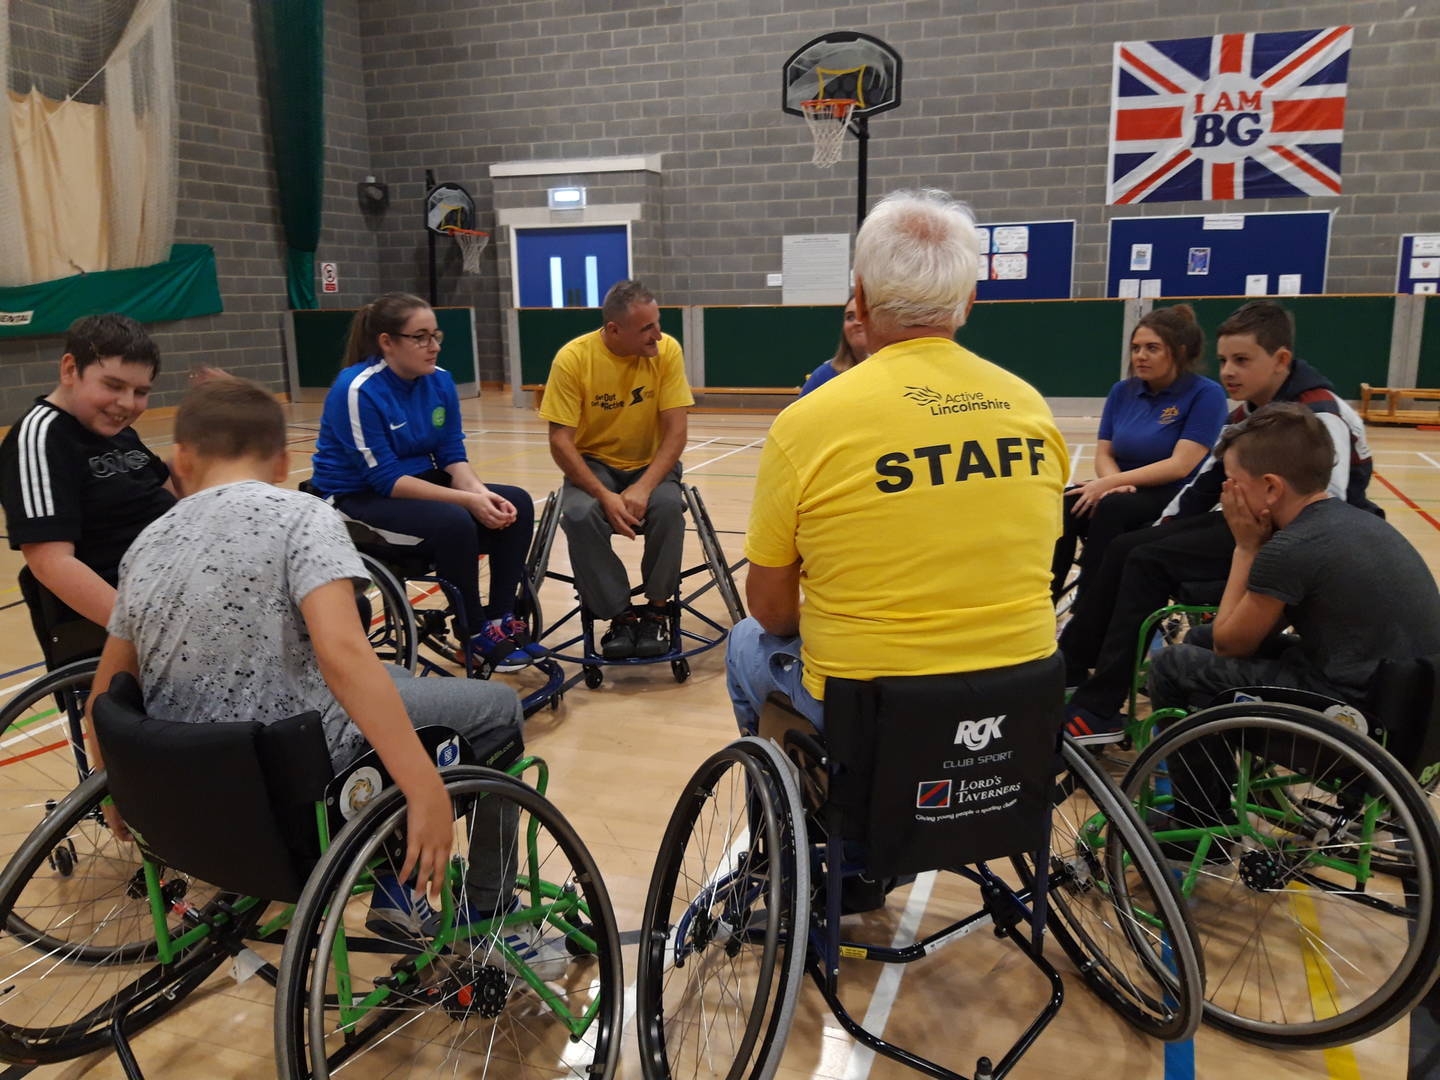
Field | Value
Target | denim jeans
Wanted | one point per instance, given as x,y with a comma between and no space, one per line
756,665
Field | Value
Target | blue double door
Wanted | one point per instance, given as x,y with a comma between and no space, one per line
572,266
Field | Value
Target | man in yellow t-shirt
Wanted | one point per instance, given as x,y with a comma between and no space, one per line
916,501
616,401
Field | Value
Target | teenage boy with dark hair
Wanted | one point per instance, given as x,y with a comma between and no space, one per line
76,482
1144,569
1354,590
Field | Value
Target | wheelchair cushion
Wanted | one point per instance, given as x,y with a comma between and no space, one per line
230,803
938,771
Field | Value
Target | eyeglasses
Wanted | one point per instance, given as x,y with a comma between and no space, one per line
425,340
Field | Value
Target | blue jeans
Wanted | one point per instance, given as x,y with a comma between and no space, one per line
756,665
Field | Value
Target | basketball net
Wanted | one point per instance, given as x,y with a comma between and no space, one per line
471,244
827,119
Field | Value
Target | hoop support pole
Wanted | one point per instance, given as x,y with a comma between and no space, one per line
862,133
430,243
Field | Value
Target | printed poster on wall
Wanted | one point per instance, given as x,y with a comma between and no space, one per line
1235,116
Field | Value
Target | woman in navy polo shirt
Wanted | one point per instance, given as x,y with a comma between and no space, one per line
1157,428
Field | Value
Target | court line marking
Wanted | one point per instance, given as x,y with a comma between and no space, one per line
1407,500
888,986
1428,458
1075,455
1320,980
722,457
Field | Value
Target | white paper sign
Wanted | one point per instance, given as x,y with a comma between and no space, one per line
1150,286
1129,288
329,277
1223,221
1009,267
1011,238
1425,244
773,281
1425,287
815,268
984,267
1426,267
1289,285
1140,256
984,233
1257,284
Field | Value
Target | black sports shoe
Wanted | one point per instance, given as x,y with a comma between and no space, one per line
619,641
653,636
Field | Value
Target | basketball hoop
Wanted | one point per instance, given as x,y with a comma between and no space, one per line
827,119
471,243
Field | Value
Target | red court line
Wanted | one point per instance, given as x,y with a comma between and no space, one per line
1407,500
53,746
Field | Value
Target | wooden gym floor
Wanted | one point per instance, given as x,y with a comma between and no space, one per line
619,756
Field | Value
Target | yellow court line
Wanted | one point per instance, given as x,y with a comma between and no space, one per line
1340,1061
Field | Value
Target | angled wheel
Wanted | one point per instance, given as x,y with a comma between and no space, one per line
1309,859
41,727
523,981
79,946
387,615
723,935
714,555
1115,909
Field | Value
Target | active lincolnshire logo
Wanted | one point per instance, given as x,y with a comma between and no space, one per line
1237,116
941,404
932,794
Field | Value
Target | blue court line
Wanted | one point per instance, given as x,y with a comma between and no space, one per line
19,670
1179,1056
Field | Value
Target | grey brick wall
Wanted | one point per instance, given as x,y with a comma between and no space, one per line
227,199
1006,104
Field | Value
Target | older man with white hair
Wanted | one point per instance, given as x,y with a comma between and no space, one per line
915,502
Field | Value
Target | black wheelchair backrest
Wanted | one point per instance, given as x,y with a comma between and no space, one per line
231,803
938,771
1405,701
64,634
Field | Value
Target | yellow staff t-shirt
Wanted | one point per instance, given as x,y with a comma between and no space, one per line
614,402
922,495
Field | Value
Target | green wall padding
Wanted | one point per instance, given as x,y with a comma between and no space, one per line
1063,348
1346,337
768,346
1429,374
320,342
544,330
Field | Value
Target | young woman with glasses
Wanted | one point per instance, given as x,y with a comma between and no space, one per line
391,454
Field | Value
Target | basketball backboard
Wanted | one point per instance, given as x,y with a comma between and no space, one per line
842,64
449,206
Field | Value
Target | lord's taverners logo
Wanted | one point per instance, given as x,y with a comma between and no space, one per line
1236,116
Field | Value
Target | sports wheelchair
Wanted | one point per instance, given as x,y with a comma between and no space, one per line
592,663
746,891
92,957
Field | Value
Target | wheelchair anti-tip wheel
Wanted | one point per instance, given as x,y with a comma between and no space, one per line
723,939
80,946
524,981
1309,861
1114,907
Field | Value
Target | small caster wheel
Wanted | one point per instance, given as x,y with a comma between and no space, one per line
680,669
62,860
593,677
555,702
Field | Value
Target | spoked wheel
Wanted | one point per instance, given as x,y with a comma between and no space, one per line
1309,859
41,727
1114,907
723,939
80,946
714,555
387,616
524,981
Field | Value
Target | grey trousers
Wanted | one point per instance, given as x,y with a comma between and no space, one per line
600,577
1190,675
479,712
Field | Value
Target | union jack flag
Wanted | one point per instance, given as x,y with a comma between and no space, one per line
1238,116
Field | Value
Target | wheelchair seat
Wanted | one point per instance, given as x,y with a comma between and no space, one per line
232,803
402,559
939,771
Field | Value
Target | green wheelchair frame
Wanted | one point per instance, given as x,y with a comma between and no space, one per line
228,922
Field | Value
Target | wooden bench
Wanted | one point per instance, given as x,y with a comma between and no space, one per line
1372,412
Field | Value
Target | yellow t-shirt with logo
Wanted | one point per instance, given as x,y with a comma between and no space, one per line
614,402
922,494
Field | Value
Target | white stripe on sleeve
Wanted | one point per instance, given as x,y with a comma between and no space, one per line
35,463
352,397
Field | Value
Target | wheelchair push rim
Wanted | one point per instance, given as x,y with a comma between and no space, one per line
1314,888
453,996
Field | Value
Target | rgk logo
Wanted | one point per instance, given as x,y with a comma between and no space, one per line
976,734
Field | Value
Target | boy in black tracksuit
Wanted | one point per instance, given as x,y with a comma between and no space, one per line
1143,569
